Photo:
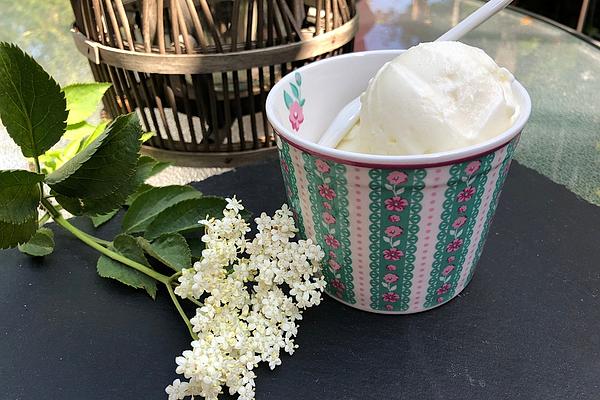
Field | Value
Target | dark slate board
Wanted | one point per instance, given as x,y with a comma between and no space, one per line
527,327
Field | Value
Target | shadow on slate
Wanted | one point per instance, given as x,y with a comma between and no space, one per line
527,327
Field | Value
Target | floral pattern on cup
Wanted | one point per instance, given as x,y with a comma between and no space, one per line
396,198
295,103
328,197
464,187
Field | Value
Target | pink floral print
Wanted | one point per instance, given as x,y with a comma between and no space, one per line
393,231
334,265
448,270
326,205
466,194
392,254
328,218
390,297
451,259
331,241
296,116
396,203
332,254
391,267
454,245
473,167
336,283
444,289
322,166
390,278
394,218
397,178
326,192
462,208
458,222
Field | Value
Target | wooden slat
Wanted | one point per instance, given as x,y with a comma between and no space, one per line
161,110
197,26
328,16
201,109
185,96
211,24
207,63
174,26
115,24
160,29
286,10
125,24
170,95
318,20
183,29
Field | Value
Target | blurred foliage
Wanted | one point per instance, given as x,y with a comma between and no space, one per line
41,28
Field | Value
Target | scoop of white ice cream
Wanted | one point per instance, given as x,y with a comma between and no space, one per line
434,97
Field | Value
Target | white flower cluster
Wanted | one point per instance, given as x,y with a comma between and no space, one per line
252,292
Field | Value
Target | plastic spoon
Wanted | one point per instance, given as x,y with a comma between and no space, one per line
348,116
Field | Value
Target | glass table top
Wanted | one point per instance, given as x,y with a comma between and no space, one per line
560,71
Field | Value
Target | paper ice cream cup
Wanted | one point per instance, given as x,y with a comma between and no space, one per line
401,234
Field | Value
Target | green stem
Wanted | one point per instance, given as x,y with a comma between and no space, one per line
44,219
85,238
97,240
183,316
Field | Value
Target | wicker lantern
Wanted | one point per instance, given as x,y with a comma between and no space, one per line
198,71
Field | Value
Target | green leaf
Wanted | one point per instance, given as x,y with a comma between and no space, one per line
108,268
170,249
114,201
97,132
184,216
295,90
152,202
102,167
302,102
298,78
32,106
19,195
196,245
287,99
83,100
41,243
98,220
143,188
79,131
14,234
146,136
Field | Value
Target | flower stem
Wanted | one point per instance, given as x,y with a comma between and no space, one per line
44,219
90,241
183,316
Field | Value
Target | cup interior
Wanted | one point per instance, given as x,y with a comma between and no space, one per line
326,86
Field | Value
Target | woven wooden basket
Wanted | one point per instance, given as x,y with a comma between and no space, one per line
198,71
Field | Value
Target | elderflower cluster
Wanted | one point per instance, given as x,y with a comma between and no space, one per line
252,292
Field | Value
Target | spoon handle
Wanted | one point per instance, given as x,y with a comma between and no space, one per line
478,17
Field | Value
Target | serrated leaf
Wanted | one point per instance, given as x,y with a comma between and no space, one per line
287,99
170,249
184,216
295,90
104,166
112,202
196,246
19,195
12,235
108,268
41,243
79,131
149,204
98,220
83,100
32,106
